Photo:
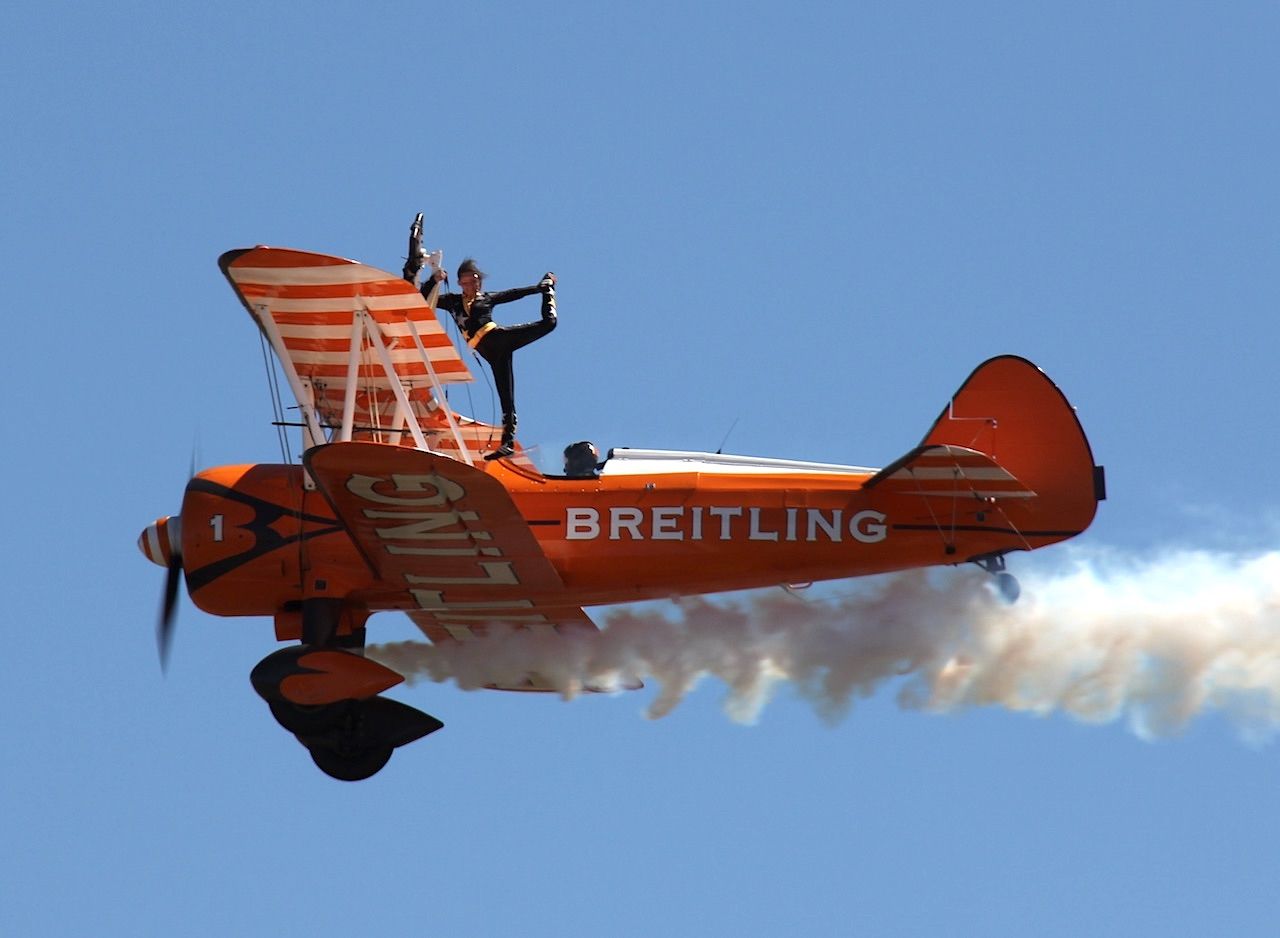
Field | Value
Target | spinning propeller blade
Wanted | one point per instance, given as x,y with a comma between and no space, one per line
168,545
161,543
164,628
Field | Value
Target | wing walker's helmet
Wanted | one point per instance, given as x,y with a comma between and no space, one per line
469,266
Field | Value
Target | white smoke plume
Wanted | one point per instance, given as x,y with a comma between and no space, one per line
1156,643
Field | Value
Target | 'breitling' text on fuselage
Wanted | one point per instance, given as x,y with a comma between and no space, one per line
723,523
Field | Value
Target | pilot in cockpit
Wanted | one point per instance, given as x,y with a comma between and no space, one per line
582,460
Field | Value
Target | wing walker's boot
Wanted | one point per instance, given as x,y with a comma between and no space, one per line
548,286
508,444
417,256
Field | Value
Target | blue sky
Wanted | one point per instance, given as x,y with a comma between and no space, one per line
804,223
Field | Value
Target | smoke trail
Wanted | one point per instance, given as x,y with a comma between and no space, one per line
1155,642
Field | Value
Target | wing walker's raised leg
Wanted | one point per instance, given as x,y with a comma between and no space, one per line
416,256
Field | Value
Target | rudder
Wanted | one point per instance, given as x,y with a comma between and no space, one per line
1010,410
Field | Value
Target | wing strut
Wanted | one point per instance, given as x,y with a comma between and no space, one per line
393,379
364,325
355,346
436,387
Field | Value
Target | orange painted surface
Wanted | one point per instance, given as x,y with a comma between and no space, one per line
394,528
325,677
1005,467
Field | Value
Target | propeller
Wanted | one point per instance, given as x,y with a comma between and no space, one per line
161,543
164,628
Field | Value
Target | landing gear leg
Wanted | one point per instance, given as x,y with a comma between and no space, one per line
1006,583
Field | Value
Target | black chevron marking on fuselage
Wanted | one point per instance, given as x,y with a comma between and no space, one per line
265,538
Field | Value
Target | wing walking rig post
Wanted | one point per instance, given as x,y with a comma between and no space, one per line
392,508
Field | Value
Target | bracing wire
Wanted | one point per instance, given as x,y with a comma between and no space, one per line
277,404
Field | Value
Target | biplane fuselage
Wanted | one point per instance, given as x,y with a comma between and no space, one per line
257,541
393,507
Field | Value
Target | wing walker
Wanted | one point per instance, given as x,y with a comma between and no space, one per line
394,508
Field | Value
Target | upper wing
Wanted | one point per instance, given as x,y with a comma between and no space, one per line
948,471
310,307
477,438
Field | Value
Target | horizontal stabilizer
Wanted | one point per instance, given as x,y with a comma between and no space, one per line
948,471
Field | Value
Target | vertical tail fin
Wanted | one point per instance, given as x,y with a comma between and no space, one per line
1010,410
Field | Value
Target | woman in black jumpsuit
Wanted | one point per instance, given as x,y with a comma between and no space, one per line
472,310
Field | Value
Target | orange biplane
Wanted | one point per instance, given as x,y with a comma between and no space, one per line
393,508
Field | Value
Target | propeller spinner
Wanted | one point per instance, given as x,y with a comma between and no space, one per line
161,543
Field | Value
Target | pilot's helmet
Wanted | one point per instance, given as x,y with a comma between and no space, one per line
580,458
